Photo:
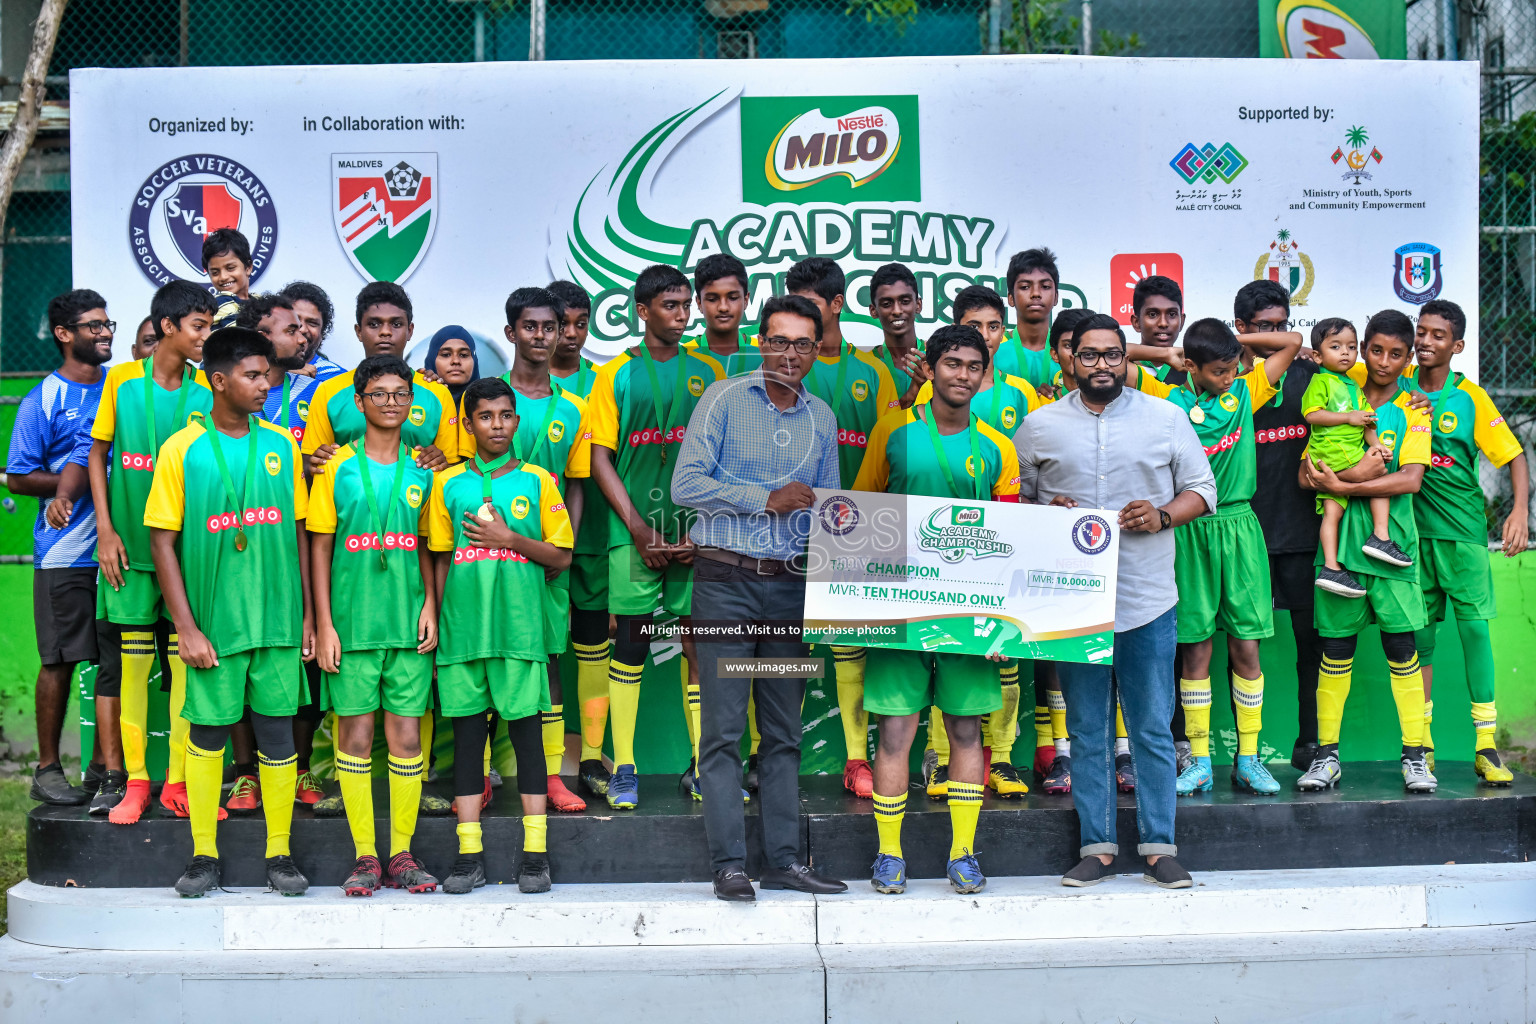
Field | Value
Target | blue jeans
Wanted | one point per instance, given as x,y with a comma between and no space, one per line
1143,668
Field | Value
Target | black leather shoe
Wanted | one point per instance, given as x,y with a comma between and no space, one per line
733,885
800,878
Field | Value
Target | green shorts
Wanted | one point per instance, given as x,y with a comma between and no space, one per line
904,682
513,687
1397,606
1457,571
1222,569
634,589
399,681
589,581
269,680
557,614
138,604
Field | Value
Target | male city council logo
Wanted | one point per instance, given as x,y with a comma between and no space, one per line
187,199
1318,29
1286,265
1357,159
1416,272
1090,534
1208,162
803,149
960,531
385,209
839,515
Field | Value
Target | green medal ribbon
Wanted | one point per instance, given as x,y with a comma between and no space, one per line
252,456
679,388
380,521
486,469
976,463
287,378
583,375
549,415
1447,390
997,399
149,401
842,378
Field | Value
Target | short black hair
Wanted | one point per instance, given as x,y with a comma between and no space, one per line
374,367
228,346
1066,321
259,307
799,305
717,266
304,291
570,294
1031,260
62,309
1210,340
819,276
533,298
889,274
486,389
147,320
1162,287
951,337
1394,323
1257,295
226,240
977,296
382,293
176,300
1447,310
1096,322
655,279
1334,324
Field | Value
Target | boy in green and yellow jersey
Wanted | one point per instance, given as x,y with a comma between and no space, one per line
941,449
895,303
1033,290
1392,598
498,527
1220,561
859,389
226,516
721,287
637,416
376,619
589,559
142,405
552,436
1453,533
383,328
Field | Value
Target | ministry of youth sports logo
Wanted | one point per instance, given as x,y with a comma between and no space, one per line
1090,534
187,199
839,515
385,209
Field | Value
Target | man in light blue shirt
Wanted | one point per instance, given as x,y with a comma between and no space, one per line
755,448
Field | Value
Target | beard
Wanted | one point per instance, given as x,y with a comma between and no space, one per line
1100,395
84,349
290,363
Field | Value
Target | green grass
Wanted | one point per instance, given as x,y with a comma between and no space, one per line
14,804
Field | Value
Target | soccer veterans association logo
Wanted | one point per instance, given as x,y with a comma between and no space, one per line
187,199
1090,535
385,209
839,515
1416,272
806,149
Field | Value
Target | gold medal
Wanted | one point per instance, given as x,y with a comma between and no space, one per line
1197,415
486,514
240,541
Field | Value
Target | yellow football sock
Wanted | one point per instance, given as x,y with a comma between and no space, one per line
485,765
1427,741
1248,695
176,761
592,693
1120,733
279,780
205,772
427,735
1042,725
964,811
889,811
405,776
1057,702
469,838
1408,695
1195,697
1486,724
938,739
356,777
691,706
1333,680
752,730
1003,724
624,706
535,833
848,662
138,662
554,738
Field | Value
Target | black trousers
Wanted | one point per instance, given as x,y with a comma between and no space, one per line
737,594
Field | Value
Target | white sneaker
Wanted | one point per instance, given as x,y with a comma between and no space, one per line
1416,776
1324,773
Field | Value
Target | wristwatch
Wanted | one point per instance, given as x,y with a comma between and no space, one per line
1164,519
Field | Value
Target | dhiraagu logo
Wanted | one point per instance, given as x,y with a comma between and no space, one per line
806,149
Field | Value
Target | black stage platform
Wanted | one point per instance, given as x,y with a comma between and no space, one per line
1370,821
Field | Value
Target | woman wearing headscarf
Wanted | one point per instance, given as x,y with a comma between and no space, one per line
452,356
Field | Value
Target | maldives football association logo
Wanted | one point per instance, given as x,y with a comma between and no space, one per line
185,200
385,209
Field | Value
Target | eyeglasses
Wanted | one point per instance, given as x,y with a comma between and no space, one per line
95,326
1114,357
383,398
804,346
1268,326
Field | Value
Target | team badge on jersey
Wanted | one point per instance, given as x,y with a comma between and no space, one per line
187,199
1447,423
418,415
274,463
303,408
413,496
556,431
1010,416
1388,439
970,466
860,390
519,507
385,209
1228,401
696,386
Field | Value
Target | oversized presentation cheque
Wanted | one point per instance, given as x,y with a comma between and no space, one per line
965,577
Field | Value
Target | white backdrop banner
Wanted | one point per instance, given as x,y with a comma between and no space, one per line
1352,183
